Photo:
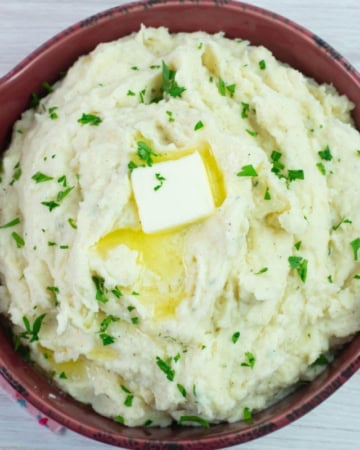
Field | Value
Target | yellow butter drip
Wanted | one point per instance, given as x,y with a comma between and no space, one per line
162,253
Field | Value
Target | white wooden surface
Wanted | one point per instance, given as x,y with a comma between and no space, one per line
25,24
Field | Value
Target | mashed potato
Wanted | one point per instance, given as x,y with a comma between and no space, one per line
211,320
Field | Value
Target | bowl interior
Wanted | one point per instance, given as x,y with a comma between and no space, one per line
289,43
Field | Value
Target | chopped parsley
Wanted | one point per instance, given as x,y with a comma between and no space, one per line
130,93
277,165
101,290
245,110
199,420
107,322
297,245
250,360
325,154
335,227
51,244
135,320
116,291
132,166
160,179
134,68
235,337
142,95
231,89
62,194
72,223
12,223
357,277
169,84
320,361
198,125
48,88
247,414
300,265
34,100
16,174
263,270
182,390
170,116
355,245
52,112
295,175
51,205
165,366
330,279
32,332
129,400
18,239
222,87
62,180
107,339
90,119
252,133
54,290
40,177
267,195
155,66
247,171
145,153
262,64
148,423
321,168
119,419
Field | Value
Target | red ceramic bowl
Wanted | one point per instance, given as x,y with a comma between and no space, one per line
290,43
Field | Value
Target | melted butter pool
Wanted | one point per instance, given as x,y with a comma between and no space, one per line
162,253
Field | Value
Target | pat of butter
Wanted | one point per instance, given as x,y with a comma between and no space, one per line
172,193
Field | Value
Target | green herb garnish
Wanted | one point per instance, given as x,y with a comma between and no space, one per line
247,414
170,116
247,171
169,84
231,89
145,153
325,154
198,125
297,245
90,119
245,110
262,64
51,205
263,270
300,265
235,337
222,87
182,390
107,339
320,361
161,180
199,420
63,376
52,112
250,360
116,291
321,168
18,239
40,177
17,173
252,133
335,227
32,333
72,223
101,290
119,419
130,93
107,322
355,245
166,368
295,175
267,195
12,223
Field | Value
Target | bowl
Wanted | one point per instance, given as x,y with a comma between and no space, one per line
290,43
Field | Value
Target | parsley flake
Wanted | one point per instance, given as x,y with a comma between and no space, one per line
182,390
295,175
247,414
18,239
245,110
325,154
247,171
263,270
72,223
222,87
297,245
51,205
235,337
32,333
130,93
40,177
199,420
161,180
355,245
267,195
16,174
107,339
321,168
12,223
335,227
63,376
300,265
90,119
119,419
262,64
107,322
52,112
198,125
101,290
252,133
250,360
145,153
169,84
166,368
322,360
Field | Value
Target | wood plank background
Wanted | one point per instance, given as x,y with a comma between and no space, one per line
25,24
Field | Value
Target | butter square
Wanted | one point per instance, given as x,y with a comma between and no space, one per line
172,193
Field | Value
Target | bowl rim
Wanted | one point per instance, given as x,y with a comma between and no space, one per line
346,368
